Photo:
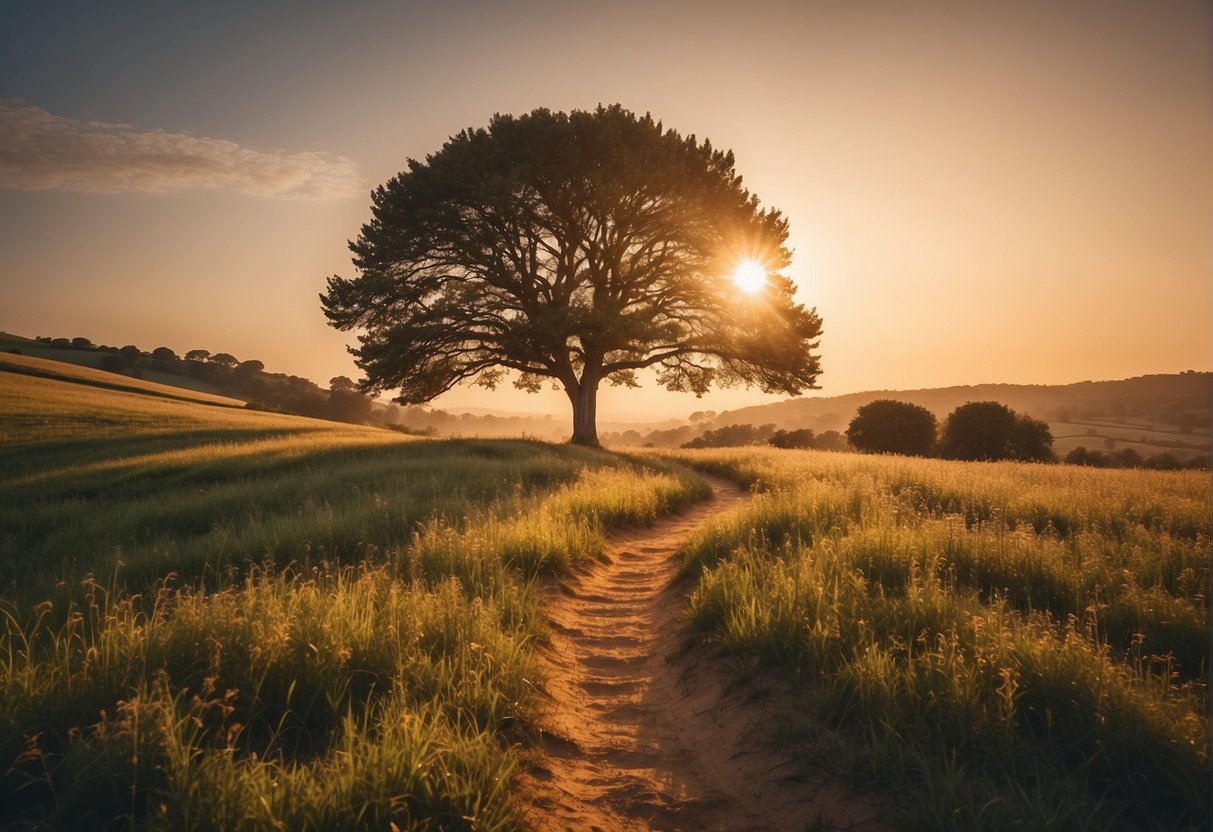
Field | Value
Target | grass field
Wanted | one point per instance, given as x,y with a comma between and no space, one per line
218,618
996,645
69,361
212,618
1145,438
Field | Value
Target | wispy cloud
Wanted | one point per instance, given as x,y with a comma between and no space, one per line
40,151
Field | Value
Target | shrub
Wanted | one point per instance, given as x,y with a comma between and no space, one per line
991,431
111,363
802,438
892,427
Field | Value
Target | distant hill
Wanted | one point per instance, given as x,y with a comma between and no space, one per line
1177,399
1147,413
30,365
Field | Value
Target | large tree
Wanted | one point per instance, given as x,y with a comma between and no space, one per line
572,249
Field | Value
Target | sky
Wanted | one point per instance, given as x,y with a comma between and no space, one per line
977,192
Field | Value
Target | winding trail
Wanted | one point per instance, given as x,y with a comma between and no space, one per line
642,734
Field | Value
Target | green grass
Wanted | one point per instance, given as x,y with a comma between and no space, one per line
217,618
997,645
213,618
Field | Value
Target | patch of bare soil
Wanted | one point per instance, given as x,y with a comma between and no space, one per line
643,735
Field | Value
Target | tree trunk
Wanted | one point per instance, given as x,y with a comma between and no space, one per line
585,411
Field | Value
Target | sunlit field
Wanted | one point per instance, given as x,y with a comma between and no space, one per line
60,369
212,618
217,618
996,645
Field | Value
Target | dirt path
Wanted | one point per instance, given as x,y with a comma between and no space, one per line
644,736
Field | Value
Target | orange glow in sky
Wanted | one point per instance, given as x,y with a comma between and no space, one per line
976,192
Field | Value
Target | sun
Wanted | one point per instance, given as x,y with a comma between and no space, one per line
750,276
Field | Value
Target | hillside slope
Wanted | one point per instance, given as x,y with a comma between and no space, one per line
1171,399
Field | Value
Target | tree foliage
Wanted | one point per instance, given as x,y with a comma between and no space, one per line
990,431
345,403
799,438
571,249
1032,440
732,436
886,426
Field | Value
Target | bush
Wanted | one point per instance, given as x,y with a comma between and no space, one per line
992,431
1126,458
1163,462
831,440
111,363
886,426
802,438
732,436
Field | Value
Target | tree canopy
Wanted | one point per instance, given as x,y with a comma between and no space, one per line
886,426
991,431
572,249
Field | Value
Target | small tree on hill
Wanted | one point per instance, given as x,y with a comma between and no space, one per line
886,426
572,249
1032,441
223,359
346,403
197,355
992,431
164,354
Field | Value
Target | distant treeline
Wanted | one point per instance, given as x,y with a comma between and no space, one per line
738,435
1130,458
223,373
975,431
1180,399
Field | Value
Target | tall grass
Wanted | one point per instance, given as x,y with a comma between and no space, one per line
246,706
302,496
233,619
1004,645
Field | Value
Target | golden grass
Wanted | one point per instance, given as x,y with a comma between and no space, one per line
221,618
89,375
43,409
1007,645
